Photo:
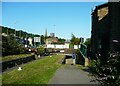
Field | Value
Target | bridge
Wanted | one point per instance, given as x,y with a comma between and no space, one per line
81,55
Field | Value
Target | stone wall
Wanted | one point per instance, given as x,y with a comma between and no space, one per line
15,62
106,28
114,9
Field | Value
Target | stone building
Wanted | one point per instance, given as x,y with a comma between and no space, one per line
51,40
105,34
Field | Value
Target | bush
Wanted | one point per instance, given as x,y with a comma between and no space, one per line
41,50
108,72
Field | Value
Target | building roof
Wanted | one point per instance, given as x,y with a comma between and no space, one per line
102,5
52,39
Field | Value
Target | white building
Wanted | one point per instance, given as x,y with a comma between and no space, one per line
30,41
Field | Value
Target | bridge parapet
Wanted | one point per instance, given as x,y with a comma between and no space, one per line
82,56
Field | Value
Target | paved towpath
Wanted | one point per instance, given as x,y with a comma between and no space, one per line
71,74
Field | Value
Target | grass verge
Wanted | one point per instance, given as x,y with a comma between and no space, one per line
36,72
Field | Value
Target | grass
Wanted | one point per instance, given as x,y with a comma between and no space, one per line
11,57
36,72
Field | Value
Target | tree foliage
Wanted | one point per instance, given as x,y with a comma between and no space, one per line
18,33
108,72
87,41
61,41
42,39
22,34
41,49
8,30
74,40
11,46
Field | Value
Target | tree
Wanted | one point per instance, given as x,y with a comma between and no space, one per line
4,30
41,50
8,30
87,42
11,46
61,41
74,40
42,39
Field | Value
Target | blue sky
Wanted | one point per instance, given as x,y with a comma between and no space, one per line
35,17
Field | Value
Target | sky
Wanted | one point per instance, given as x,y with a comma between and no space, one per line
61,18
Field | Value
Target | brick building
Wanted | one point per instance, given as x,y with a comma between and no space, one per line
105,34
51,40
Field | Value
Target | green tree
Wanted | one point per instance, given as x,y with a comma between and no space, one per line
42,39
41,49
8,30
11,46
87,42
74,40
61,41
4,30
